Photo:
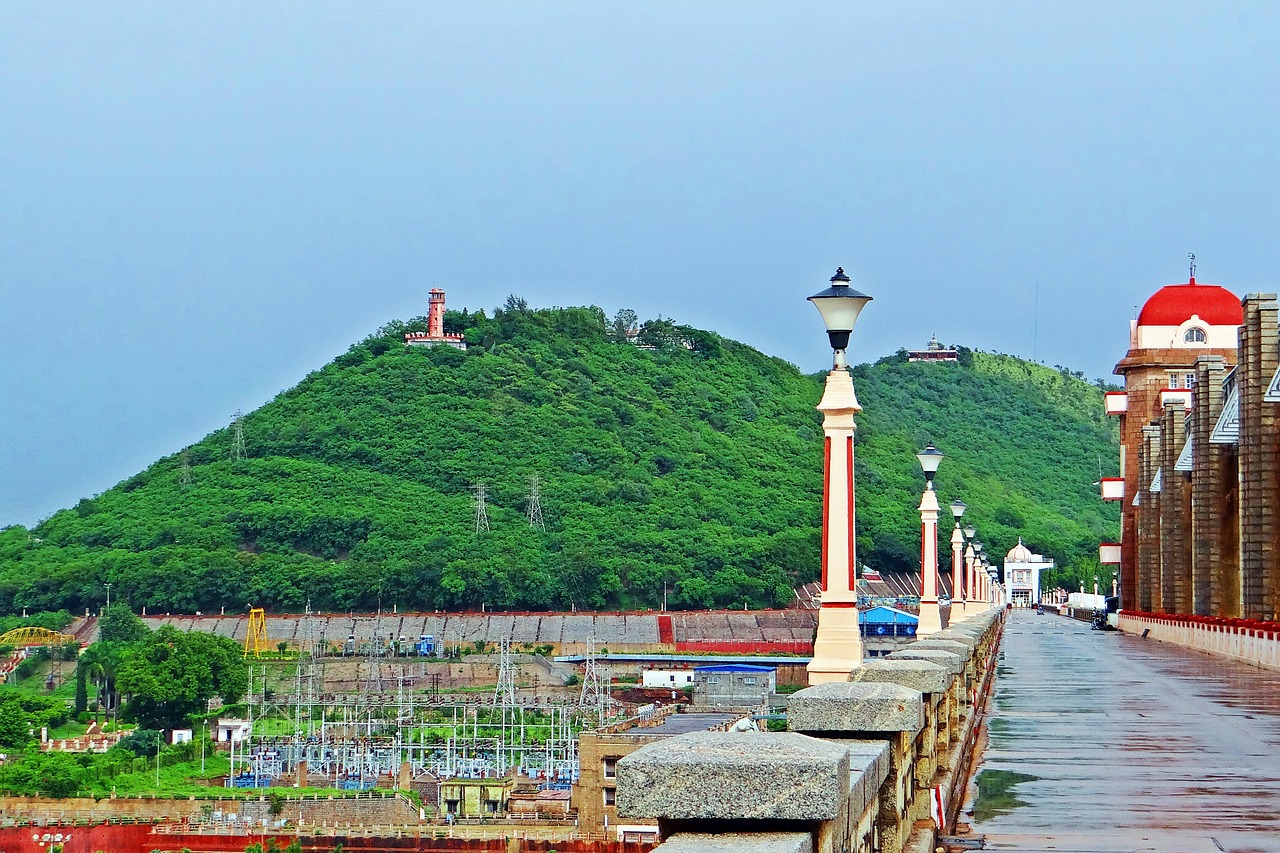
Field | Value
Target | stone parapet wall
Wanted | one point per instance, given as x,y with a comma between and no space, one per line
1245,640
865,766
316,811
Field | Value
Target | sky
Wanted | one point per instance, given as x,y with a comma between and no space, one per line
200,203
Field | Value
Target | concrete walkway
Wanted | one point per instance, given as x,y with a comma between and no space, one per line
1134,745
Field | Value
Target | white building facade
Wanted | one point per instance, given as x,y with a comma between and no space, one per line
1022,575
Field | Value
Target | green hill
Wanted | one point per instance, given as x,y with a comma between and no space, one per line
694,463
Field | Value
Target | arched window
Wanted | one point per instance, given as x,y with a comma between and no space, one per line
1194,335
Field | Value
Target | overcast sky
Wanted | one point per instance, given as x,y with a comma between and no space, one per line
199,203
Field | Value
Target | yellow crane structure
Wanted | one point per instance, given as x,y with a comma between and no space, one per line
255,639
21,638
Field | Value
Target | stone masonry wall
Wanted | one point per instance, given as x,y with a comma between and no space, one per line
1209,484
1147,517
1260,574
1175,538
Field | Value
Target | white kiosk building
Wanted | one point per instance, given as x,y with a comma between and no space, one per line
1022,575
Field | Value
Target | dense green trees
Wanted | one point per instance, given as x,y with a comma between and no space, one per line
690,463
170,675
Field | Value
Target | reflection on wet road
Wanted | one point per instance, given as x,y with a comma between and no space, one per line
1127,744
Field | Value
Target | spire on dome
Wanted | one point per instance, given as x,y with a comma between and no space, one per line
1192,276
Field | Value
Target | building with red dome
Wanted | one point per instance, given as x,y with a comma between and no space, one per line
1178,325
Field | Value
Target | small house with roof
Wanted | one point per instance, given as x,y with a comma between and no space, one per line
733,685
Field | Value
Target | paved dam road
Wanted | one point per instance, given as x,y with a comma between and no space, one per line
1126,744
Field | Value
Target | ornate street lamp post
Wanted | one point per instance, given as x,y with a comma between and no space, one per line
930,616
959,591
975,583
837,649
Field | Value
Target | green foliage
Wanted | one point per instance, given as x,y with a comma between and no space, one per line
15,725
691,463
142,742
52,774
120,624
170,675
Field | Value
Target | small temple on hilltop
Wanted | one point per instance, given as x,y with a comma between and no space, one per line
933,351
435,334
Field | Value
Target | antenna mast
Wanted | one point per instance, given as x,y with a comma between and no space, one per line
535,504
184,472
482,513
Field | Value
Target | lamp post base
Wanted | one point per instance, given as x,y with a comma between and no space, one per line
959,612
930,619
837,650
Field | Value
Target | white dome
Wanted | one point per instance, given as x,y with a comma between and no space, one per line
1018,554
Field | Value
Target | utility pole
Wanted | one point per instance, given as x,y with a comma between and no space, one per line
108,607
482,512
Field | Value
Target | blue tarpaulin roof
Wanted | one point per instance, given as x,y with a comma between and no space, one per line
883,615
734,667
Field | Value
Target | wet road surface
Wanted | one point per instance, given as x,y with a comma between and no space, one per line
1125,744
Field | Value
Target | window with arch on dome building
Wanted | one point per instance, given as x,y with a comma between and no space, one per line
1195,335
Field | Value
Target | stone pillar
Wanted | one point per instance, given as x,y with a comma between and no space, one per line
930,616
300,774
837,648
1215,589
1258,446
886,712
1147,522
1175,523
959,579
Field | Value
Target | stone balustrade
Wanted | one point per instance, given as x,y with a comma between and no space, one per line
1249,641
878,763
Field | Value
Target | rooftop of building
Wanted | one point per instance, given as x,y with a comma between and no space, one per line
1175,304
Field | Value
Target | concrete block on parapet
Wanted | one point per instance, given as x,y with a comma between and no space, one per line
953,663
970,641
974,627
964,650
869,765
734,776
864,707
920,675
738,842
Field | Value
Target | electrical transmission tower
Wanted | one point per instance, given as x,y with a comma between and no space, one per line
505,693
237,437
594,697
535,504
482,513
184,473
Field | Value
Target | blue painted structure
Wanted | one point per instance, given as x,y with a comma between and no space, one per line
884,621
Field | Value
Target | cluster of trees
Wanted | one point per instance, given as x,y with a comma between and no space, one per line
159,679
689,465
